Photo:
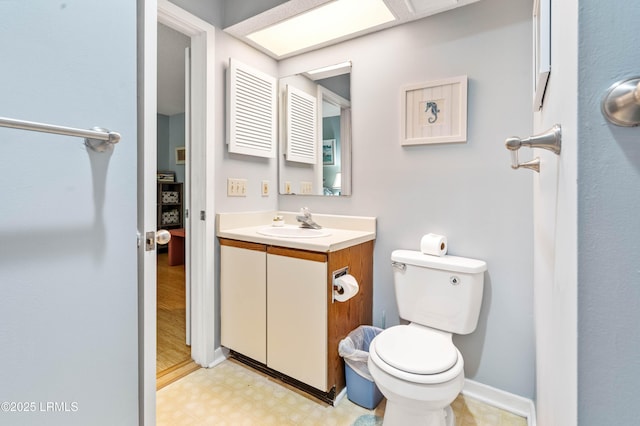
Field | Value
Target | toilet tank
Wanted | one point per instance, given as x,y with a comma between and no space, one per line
442,292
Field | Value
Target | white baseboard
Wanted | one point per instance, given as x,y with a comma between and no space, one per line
219,355
340,395
501,399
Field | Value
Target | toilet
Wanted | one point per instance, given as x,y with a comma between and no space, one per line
416,366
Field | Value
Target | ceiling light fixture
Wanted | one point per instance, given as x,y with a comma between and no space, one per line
330,71
328,22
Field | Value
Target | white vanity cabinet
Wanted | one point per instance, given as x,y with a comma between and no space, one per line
243,299
278,314
297,315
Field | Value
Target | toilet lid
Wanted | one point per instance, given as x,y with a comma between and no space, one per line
416,351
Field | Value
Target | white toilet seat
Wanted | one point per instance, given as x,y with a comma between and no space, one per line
416,350
416,354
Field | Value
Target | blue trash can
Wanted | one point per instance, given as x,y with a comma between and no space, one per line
361,389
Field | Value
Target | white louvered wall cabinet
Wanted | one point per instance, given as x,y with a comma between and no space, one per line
251,111
302,126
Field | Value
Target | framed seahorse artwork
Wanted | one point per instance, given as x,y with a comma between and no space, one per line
434,112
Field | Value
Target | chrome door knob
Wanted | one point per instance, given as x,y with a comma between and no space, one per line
162,236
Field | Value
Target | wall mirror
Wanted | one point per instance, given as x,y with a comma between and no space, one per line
314,156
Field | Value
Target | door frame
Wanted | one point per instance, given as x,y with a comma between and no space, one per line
202,238
202,241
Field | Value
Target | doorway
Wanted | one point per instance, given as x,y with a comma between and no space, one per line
173,351
201,244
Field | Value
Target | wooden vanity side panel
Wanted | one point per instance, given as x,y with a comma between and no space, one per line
343,317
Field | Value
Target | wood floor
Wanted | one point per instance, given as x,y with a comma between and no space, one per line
172,350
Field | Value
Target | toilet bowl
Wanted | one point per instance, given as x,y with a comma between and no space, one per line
419,371
416,366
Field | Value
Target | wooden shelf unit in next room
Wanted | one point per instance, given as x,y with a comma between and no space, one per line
170,210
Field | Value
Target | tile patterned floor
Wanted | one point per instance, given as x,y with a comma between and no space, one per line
232,394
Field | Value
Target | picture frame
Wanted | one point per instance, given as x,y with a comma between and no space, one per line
541,50
328,152
181,155
434,112
166,176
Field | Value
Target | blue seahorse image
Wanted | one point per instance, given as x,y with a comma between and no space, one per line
434,110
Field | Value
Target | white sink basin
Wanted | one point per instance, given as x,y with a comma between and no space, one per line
292,232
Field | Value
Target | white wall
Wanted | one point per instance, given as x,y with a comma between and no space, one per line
254,169
229,165
608,225
465,191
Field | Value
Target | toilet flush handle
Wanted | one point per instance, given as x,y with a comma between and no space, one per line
399,265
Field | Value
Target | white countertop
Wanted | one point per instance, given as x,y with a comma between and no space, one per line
345,231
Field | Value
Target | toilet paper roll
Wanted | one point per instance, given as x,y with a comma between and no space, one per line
345,287
433,244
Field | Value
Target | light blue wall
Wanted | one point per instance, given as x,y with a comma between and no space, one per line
465,191
176,140
163,142
608,225
68,255
170,136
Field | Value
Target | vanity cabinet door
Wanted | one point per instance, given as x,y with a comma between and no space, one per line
297,315
243,284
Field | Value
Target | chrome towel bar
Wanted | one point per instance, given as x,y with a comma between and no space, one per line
98,139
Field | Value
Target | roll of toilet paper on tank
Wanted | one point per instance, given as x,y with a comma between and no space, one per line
345,287
433,244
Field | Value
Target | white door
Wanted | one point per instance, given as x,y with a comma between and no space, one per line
68,252
555,219
187,192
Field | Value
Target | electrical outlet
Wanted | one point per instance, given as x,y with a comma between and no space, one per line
265,188
236,187
287,187
306,187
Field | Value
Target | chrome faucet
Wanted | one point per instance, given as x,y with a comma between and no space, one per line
305,219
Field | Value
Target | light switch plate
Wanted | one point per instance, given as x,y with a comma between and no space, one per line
306,187
236,187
